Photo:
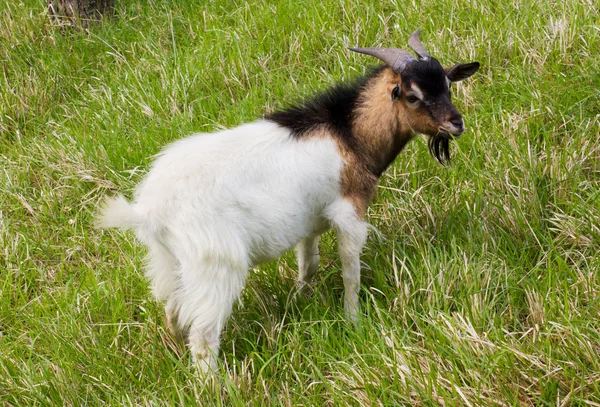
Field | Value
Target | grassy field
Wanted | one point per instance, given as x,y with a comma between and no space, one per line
481,288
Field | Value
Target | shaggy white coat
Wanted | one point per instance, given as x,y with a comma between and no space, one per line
214,205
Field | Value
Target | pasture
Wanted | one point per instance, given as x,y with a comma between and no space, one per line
480,284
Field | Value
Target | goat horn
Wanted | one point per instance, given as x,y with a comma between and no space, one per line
394,57
417,46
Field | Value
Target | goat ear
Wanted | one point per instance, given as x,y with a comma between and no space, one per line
459,72
396,92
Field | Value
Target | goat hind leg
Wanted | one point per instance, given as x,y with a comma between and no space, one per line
308,259
172,319
163,273
205,301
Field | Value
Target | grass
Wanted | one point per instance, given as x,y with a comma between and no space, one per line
482,286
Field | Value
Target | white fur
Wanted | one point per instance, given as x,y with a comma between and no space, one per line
352,234
213,205
117,213
417,91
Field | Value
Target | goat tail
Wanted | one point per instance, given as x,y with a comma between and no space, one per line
116,212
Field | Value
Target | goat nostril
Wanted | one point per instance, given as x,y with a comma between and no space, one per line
457,122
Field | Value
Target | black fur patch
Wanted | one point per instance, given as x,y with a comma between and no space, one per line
429,75
331,109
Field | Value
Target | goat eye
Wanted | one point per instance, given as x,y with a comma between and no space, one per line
412,99
396,92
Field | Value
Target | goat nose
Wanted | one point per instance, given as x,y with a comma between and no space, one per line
457,122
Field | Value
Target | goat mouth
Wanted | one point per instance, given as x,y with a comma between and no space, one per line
439,147
450,133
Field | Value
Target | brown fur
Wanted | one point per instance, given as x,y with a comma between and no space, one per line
382,128
359,185
368,125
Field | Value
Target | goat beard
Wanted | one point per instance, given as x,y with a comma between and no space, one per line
439,148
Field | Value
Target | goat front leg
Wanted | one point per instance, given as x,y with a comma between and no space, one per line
308,260
352,235
350,245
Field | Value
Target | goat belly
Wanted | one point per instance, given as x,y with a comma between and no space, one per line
253,191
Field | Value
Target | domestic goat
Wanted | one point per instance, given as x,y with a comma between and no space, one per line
214,205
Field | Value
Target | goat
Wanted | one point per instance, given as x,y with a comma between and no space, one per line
214,205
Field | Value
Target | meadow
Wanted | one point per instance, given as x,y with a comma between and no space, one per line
480,284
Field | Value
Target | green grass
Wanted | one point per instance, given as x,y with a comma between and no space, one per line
481,288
